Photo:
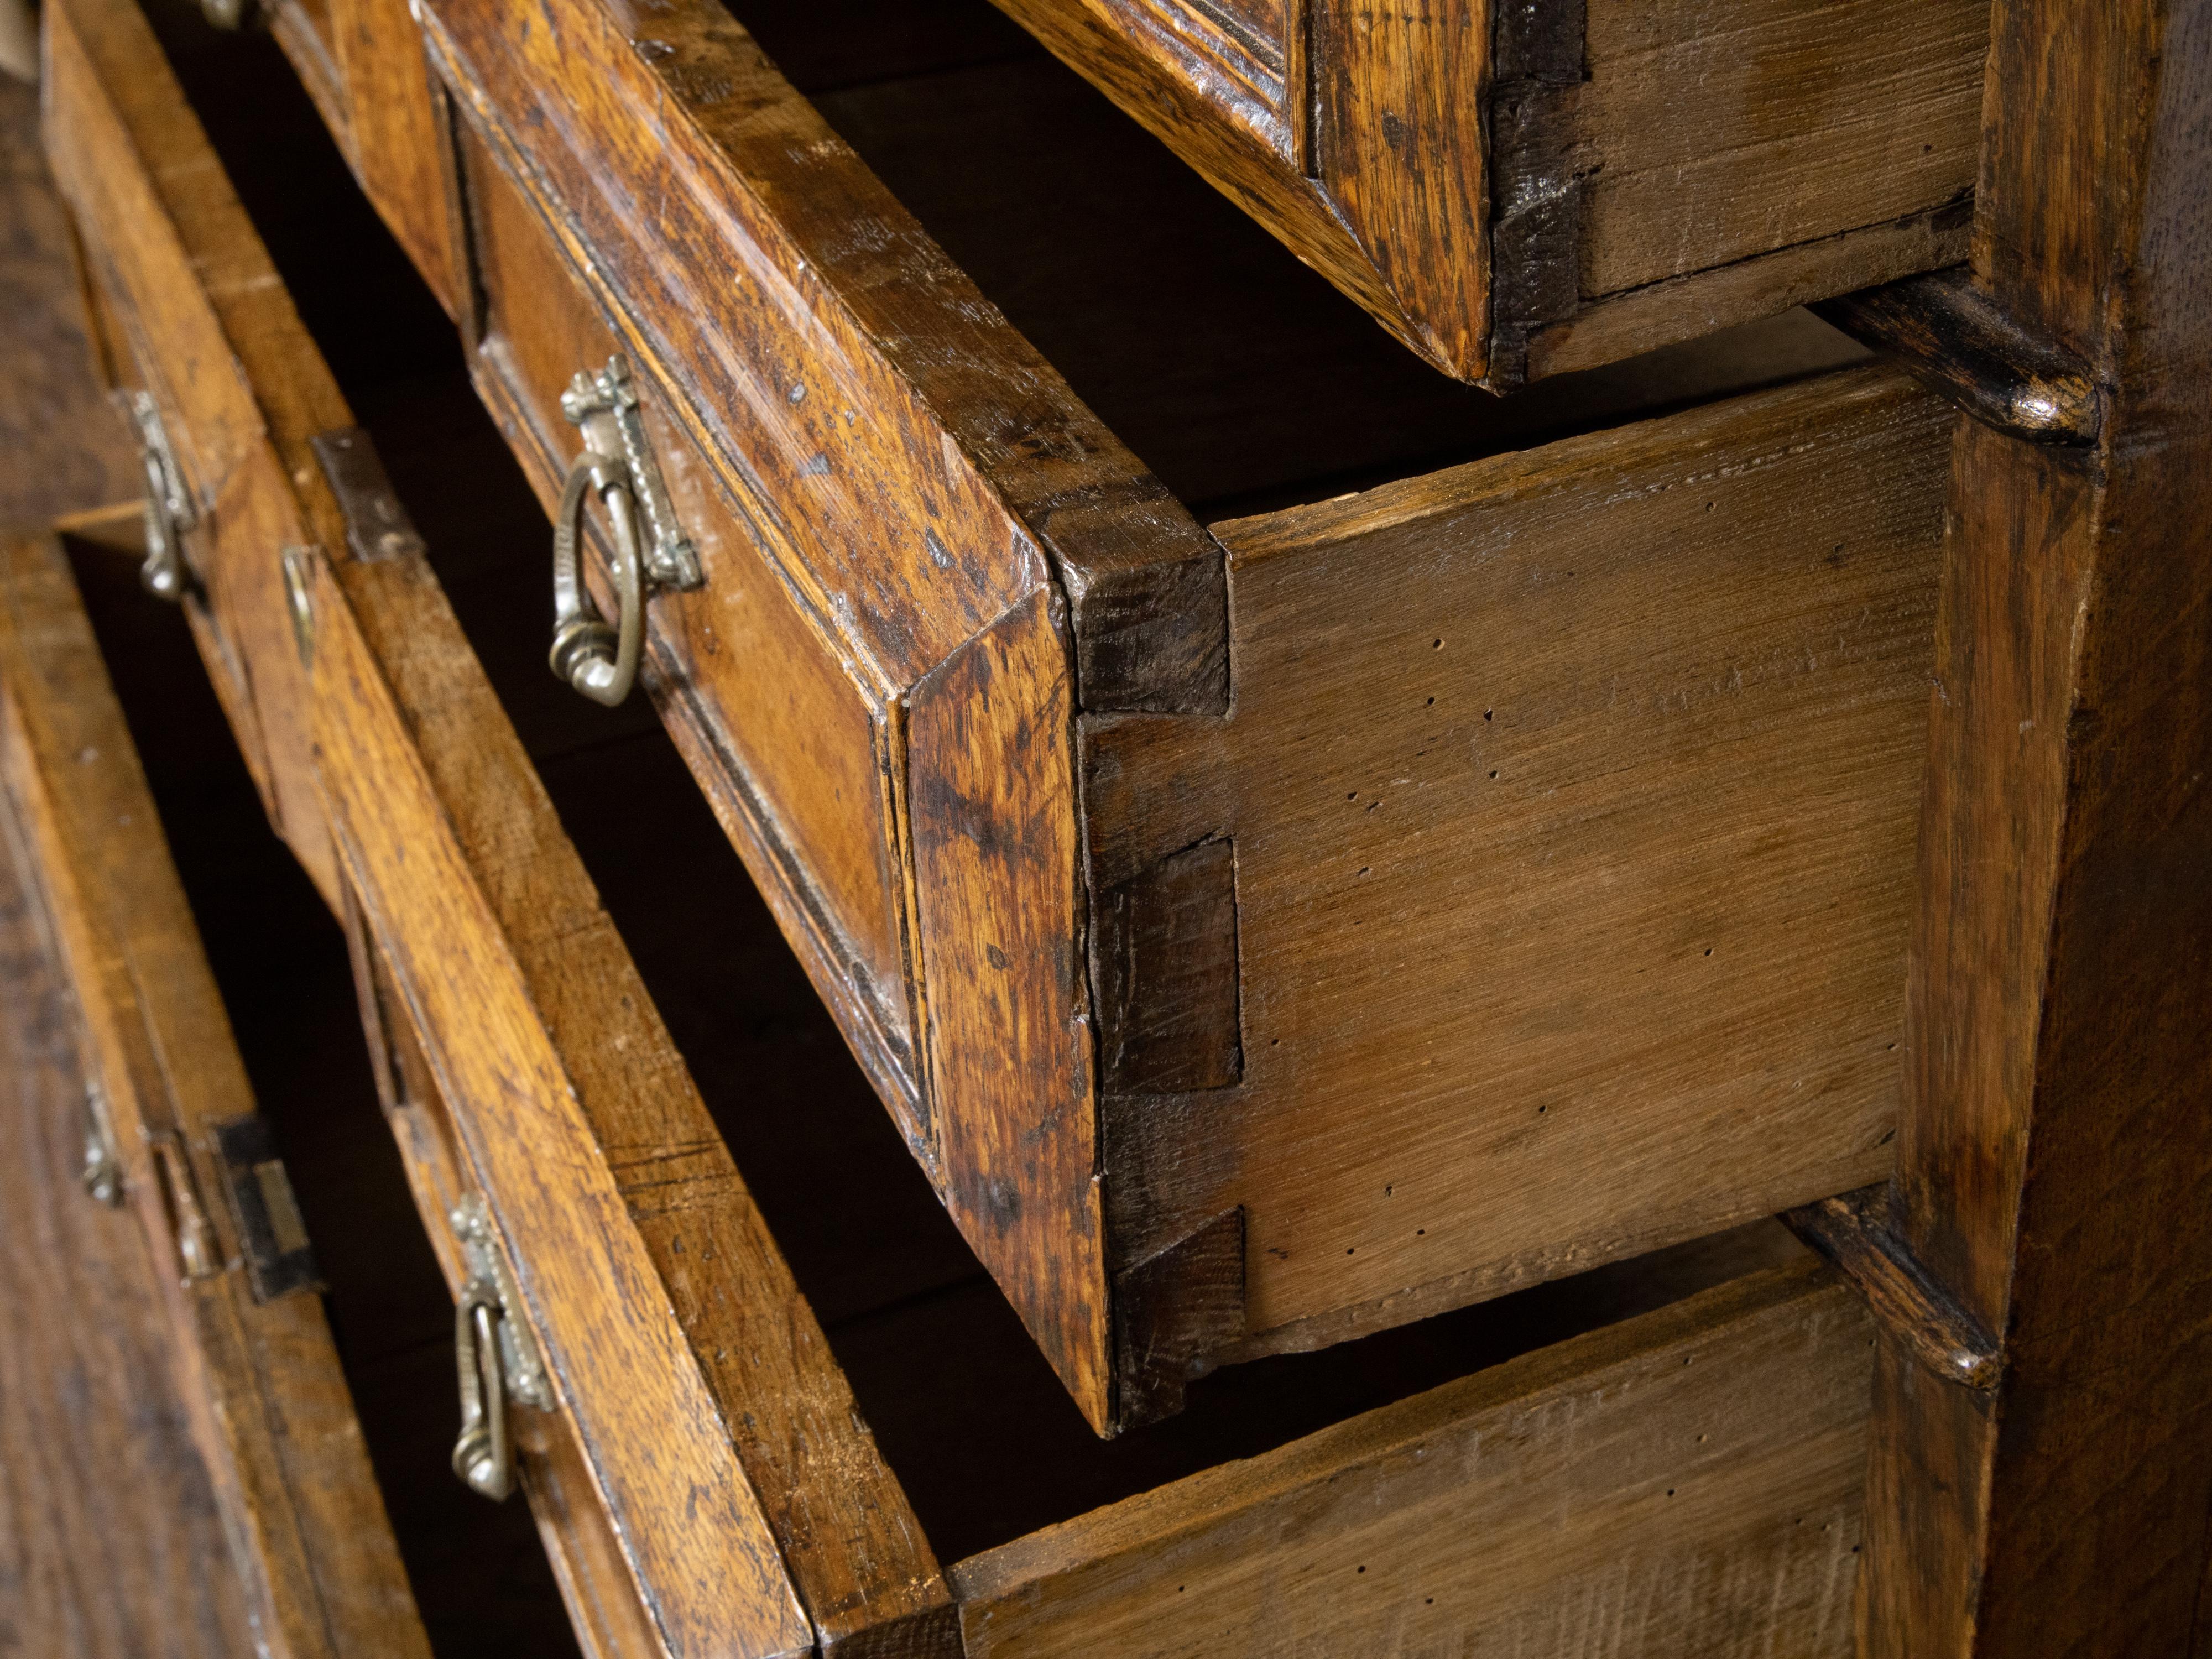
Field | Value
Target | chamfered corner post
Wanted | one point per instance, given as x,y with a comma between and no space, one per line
2055,1174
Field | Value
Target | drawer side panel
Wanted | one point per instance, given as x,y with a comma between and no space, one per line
1686,1483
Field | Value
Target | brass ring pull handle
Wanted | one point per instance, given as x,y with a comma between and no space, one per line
649,553
168,503
483,1456
494,1354
598,660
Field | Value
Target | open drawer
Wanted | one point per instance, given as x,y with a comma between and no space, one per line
770,1410
170,1128
223,389
1265,933
1516,189
784,1411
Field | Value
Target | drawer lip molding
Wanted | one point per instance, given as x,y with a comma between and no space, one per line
1042,638
270,1412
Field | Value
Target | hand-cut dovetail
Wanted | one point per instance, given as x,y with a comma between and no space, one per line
1958,341
1852,1232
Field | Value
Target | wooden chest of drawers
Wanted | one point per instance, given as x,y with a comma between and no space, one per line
1210,903
699,1449
1519,187
1263,934
1476,840
700,1460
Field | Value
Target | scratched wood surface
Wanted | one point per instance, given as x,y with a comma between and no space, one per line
1687,1482
209,330
851,797
1605,176
269,1404
943,612
111,1541
678,1342
2054,1157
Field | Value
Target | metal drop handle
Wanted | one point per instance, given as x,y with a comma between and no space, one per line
496,1359
598,660
168,503
483,1455
617,466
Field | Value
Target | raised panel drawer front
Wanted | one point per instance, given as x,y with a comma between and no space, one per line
1519,187
170,1128
1265,933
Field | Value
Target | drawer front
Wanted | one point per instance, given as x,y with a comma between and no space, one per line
699,1409
846,420
1601,179
233,385
799,753
361,63
171,1128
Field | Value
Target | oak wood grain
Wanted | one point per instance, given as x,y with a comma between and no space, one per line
677,1327
396,134
269,1404
892,756
1666,686
1573,167
2053,1158
1686,1482
214,337
1005,532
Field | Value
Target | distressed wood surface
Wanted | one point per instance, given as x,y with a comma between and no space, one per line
606,1606
211,332
62,448
798,760
112,1544
2054,1161
269,1405
1708,164
1571,801
1687,1482
1011,549
902,713
748,1497
395,135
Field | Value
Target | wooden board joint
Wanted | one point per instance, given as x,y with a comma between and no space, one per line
1173,1312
